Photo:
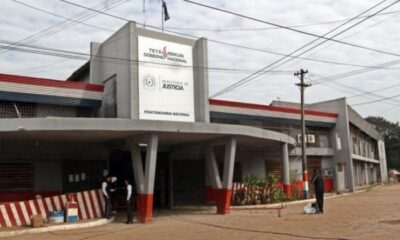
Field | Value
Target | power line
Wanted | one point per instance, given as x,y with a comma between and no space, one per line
256,74
83,15
219,68
94,10
295,30
273,28
85,56
210,68
337,34
29,70
374,91
355,72
253,76
379,100
217,41
283,54
334,78
211,40
65,18
58,27
365,94
353,33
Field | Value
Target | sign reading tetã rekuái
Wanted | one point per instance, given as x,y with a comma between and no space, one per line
165,80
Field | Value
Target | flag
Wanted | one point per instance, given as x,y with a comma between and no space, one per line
166,15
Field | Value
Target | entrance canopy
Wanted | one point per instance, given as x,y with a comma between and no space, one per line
102,130
139,135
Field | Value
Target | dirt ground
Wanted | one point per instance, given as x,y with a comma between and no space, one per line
368,215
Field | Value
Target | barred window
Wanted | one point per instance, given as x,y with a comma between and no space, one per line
10,109
84,112
16,176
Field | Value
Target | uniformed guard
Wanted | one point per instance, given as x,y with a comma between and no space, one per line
128,202
106,190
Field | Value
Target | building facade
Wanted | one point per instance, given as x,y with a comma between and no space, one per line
139,110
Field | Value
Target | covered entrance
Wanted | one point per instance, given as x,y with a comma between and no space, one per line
152,147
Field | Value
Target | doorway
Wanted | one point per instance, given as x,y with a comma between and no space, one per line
120,166
188,182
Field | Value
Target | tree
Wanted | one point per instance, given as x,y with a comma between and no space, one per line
391,134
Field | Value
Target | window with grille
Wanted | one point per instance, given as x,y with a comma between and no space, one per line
84,112
16,176
110,100
10,109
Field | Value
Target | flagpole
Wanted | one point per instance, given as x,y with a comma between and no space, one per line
144,13
162,16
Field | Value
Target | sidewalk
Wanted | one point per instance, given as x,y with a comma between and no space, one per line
11,232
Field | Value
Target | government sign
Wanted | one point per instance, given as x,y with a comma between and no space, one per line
165,80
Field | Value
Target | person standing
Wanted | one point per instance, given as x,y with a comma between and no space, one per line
128,202
106,190
318,183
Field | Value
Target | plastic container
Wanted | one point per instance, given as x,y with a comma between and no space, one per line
72,212
56,217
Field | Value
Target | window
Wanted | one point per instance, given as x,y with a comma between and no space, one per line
84,112
109,100
323,140
355,145
10,109
16,176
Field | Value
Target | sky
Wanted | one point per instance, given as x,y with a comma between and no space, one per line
369,90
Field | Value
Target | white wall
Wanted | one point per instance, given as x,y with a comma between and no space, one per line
254,166
327,162
295,165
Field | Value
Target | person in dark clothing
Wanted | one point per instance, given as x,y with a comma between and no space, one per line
128,202
318,182
106,190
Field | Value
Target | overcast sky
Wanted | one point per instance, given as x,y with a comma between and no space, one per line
19,22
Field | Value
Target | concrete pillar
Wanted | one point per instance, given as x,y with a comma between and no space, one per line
285,169
212,174
382,161
200,81
212,168
222,189
144,178
225,194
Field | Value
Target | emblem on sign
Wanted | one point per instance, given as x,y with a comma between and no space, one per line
149,82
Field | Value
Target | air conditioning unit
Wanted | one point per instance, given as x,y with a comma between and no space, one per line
311,138
299,138
328,172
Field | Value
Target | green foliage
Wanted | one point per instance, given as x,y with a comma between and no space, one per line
251,180
258,190
271,179
240,197
391,133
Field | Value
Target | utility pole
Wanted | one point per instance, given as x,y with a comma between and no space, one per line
302,86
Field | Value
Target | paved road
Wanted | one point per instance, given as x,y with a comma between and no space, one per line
370,215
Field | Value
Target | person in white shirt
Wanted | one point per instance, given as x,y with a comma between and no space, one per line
129,201
106,190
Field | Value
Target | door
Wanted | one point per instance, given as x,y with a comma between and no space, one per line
340,177
188,182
